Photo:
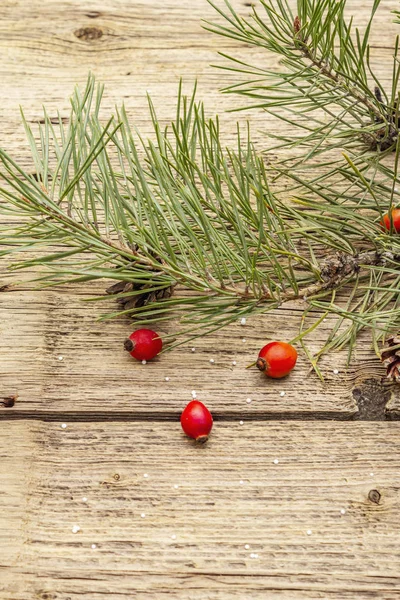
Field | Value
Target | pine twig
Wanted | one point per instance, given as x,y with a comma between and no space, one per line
184,212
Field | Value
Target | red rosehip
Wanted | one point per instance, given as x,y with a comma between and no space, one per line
143,344
395,214
197,421
277,359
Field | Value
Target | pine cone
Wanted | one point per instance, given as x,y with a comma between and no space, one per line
138,300
390,357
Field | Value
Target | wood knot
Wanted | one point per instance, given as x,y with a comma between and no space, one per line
117,477
88,34
93,14
8,401
374,496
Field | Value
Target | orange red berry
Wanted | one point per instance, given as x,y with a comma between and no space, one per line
197,421
395,215
143,344
277,359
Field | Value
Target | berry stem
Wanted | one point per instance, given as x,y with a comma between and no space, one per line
251,365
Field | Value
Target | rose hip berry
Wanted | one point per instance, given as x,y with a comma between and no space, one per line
143,344
395,214
197,421
277,359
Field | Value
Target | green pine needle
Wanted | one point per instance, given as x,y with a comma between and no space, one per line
206,233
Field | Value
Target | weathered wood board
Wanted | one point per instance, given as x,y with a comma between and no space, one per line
59,360
288,510
91,474
133,47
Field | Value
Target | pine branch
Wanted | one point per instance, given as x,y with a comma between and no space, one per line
185,227
325,70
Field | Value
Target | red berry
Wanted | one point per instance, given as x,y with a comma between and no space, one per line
277,359
395,214
143,344
197,421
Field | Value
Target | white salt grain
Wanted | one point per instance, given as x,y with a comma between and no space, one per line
144,362
64,426
212,361
60,358
240,422
246,546
193,349
84,499
94,546
143,515
75,529
282,394
309,532
276,461
243,321
248,400
167,379
234,363
342,512
145,475
335,371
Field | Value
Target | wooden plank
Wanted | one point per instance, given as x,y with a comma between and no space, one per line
322,522
135,47
140,46
15,481
59,360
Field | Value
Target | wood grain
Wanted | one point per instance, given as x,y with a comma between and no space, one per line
59,360
134,46
113,406
104,477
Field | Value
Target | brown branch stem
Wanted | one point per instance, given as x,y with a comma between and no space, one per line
326,70
335,270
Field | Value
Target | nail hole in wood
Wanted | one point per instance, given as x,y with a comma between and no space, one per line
8,401
374,496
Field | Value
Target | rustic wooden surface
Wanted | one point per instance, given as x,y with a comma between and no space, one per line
65,367
225,520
